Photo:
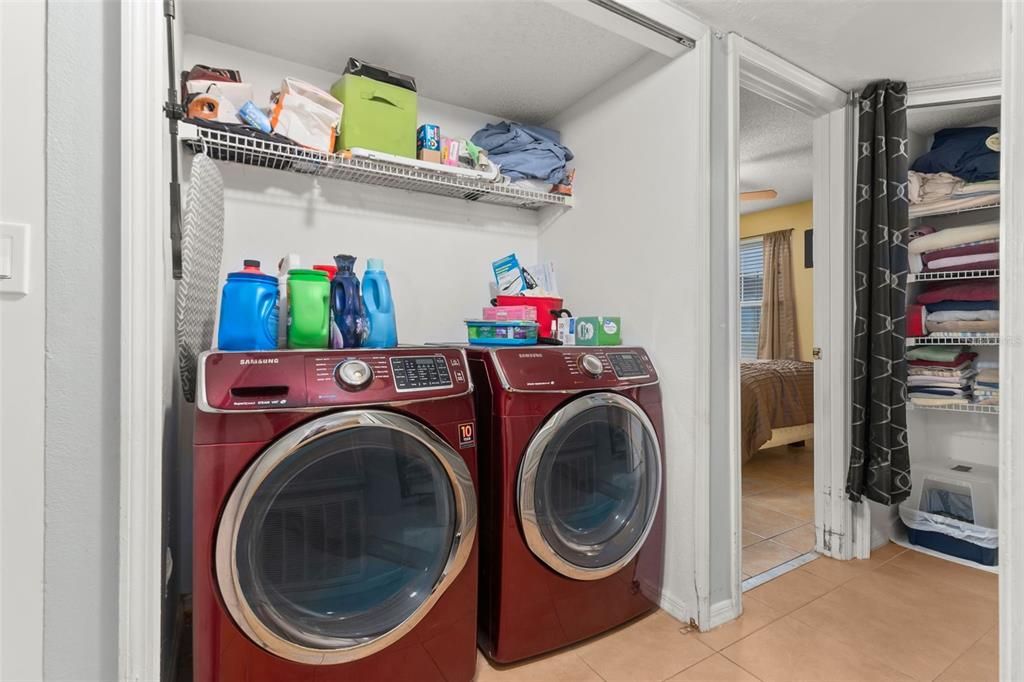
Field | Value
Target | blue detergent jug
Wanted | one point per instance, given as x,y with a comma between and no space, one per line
248,310
348,321
380,309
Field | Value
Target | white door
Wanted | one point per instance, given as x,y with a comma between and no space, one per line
22,329
738,63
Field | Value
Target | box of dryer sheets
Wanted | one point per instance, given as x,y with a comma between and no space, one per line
598,331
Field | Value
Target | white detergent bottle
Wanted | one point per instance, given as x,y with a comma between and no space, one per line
283,267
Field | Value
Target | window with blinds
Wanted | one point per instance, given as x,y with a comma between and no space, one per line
751,288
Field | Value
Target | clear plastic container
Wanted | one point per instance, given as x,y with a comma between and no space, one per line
503,333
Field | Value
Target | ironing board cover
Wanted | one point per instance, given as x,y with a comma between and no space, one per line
202,246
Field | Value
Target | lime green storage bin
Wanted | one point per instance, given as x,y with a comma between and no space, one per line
376,115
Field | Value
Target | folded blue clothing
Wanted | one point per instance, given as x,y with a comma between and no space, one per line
524,151
989,384
962,152
962,305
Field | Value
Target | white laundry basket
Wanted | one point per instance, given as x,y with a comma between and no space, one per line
953,509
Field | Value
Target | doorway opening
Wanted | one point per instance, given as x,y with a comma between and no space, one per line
776,313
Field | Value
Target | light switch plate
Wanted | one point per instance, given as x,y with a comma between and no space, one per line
14,245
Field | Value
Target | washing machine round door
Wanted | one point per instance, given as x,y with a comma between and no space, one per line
589,486
343,534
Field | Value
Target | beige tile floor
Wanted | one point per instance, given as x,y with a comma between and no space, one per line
900,615
778,507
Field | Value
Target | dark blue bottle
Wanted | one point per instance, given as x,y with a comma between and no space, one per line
348,321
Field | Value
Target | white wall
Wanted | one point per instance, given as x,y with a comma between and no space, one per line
82,340
631,248
22,343
437,251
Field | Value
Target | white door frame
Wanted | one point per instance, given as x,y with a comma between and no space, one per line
1011,352
839,531
144,377
23,340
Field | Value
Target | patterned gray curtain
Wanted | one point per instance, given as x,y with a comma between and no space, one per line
880,461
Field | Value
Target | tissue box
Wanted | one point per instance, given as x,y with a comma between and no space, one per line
598,331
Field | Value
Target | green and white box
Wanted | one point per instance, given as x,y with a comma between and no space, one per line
598,331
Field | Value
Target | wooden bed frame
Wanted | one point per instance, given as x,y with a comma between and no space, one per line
788,435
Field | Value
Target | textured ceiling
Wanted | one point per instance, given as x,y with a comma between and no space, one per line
775,152
852,42
525,60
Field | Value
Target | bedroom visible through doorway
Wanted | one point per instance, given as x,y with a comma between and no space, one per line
776,305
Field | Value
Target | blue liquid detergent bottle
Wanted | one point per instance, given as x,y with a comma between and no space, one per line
248,310
348,321
380,308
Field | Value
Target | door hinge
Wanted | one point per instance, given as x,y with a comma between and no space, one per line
816,353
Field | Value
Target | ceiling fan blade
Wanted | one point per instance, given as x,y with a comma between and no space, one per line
759,195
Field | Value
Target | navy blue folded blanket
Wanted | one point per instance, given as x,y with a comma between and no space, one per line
962,152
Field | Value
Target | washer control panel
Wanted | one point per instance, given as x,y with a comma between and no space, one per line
568,368
628,365
420,372
288,380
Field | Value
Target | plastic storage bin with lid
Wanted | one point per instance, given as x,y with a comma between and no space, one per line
953,509
379,109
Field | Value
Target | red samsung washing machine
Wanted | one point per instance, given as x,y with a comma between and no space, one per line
571,487
335,516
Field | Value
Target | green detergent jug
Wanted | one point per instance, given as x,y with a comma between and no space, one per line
309,308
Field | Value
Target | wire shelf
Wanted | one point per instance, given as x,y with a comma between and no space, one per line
457,183
958,407
963,274
926,213
964,339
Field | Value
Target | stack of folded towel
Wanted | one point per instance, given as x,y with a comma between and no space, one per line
974,247
960,171
962,309
986,386
940,375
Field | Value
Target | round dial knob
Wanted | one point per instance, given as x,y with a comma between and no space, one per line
353,375
591,365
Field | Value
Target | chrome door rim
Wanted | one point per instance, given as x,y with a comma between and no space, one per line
338,649
527,487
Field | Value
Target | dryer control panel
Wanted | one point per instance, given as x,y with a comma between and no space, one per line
301,379
573,368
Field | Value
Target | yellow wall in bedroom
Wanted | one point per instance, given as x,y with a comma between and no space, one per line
799,217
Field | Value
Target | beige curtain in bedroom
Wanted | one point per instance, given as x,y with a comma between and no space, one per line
777,338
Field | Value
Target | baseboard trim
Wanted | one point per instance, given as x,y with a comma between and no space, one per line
724,611
676,608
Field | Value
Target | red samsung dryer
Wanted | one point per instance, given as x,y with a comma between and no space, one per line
335,516
571,494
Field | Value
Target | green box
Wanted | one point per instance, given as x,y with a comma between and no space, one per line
376,115
599,331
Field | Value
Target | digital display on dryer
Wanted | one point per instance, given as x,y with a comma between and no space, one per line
627,365
419,373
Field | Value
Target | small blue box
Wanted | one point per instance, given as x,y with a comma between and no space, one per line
428,137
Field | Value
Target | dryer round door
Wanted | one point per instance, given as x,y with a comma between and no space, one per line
589,486
343,534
